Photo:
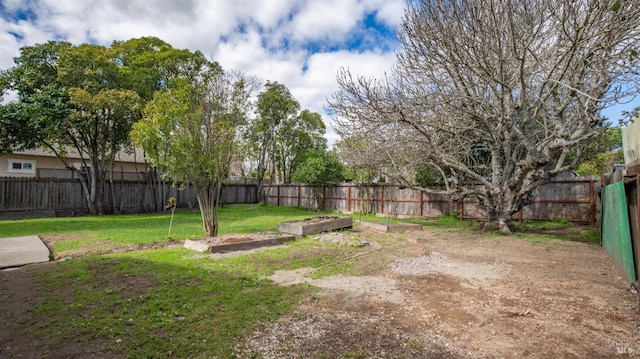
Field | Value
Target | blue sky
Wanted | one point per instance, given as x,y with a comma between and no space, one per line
300,43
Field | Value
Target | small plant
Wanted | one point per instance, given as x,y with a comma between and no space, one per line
172,204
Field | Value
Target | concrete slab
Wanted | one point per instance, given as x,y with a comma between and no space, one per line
19,251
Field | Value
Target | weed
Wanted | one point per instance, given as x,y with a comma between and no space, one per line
448,218
358,354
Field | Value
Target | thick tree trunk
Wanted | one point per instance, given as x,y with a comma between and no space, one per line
499,214
500,223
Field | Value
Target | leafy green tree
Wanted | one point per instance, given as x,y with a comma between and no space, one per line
151,65
299,136
42,106
602,153
100,118
85,98
280,137
320,169
274,108
69,97
191,131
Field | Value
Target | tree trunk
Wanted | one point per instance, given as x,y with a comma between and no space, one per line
499,214
208,200
87,195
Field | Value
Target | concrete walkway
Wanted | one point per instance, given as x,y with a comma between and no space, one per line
18,251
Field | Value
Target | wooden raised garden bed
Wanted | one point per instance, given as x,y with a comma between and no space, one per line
315,225
237,242
391,227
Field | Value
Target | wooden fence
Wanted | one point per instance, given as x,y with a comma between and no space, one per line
29,198
573,199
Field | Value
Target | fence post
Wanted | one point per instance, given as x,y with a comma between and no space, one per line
382,199
50,197
592,200
277,195
420,210
348,198
324,197
299,194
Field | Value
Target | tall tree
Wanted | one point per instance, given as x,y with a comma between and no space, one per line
151,65
191,131
497,96
274,107
299,136
42,99
69,97
100,118
281,136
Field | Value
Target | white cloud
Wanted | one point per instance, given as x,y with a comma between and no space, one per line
329,20
389,12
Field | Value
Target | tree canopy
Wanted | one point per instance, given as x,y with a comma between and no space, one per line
497,97
281,136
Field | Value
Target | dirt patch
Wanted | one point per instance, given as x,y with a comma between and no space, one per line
444,296
20,290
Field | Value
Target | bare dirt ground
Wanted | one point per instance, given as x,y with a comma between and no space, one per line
431,295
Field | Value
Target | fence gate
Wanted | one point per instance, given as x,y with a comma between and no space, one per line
616,236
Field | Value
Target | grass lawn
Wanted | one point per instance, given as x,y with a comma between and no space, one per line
168,302
76,236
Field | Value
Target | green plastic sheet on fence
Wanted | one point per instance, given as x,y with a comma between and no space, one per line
616,235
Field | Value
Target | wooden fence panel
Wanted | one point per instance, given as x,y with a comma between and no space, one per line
28,197
572,199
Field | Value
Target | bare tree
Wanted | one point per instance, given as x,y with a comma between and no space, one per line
495,96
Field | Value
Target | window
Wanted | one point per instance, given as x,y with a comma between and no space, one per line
21,166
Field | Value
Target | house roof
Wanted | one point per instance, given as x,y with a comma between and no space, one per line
121,156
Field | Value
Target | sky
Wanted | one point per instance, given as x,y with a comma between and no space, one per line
299,43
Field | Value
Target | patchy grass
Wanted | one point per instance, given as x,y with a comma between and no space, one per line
170,302
450,223
77,236
153,304
534,231
305,252
542,231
